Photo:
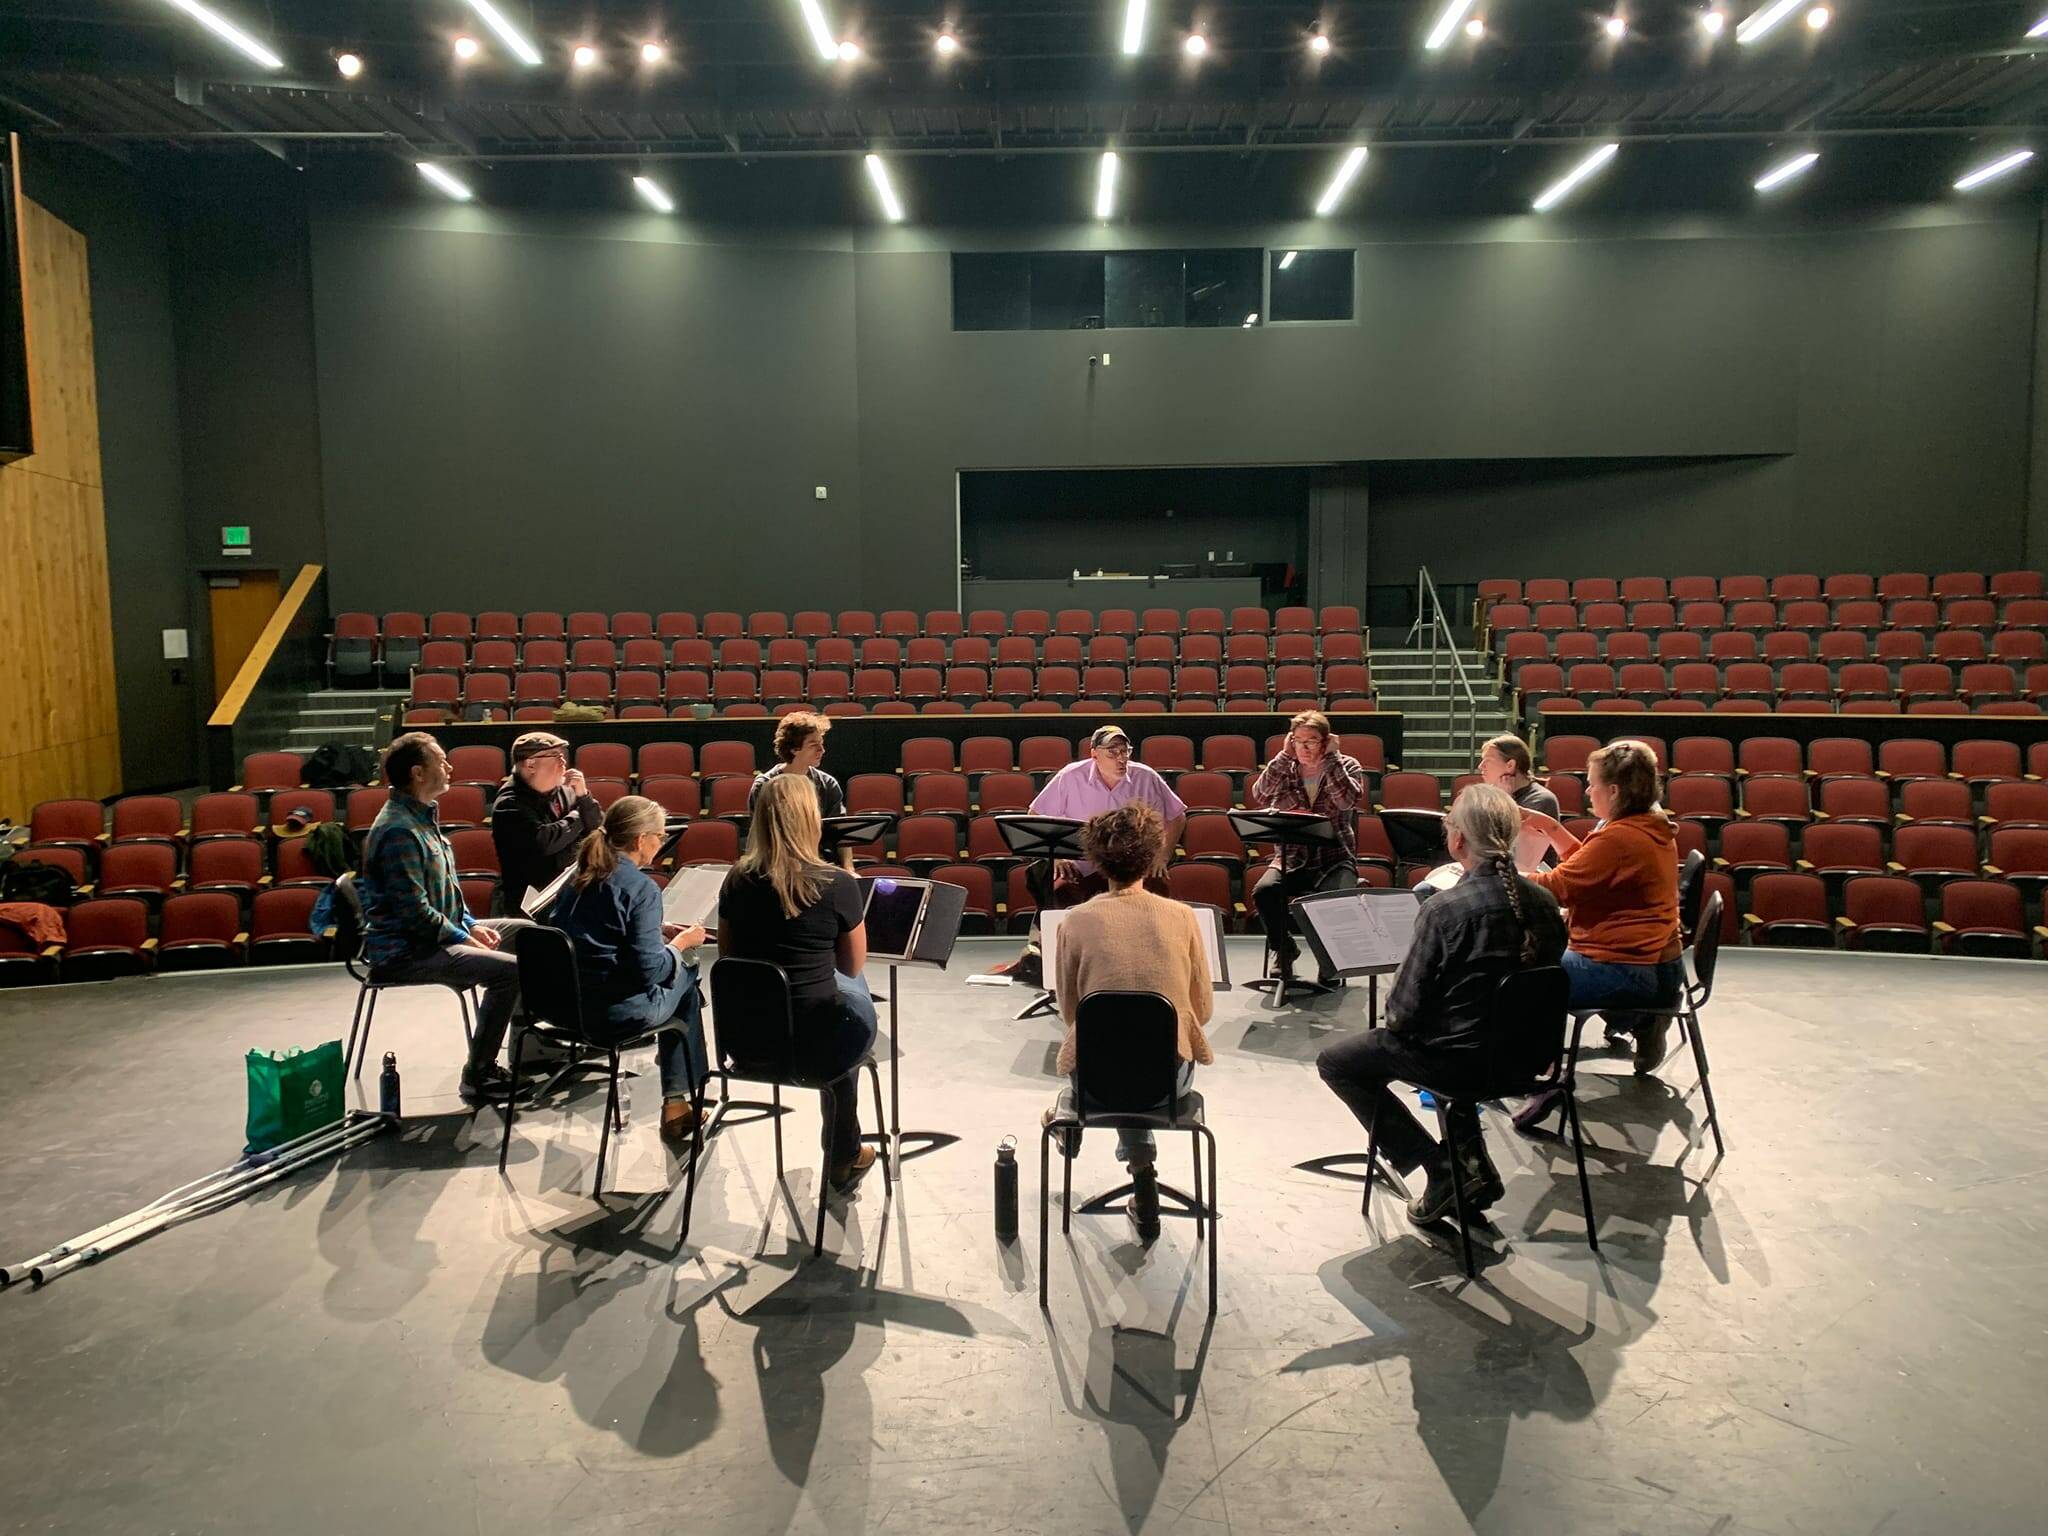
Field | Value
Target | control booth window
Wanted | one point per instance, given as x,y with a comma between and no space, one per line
1311,285
1088,290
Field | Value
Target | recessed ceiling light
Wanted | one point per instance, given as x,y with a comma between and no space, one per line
229,33
1447,23
1713,23
946,43
653,53
584,56
1196,45
1615,27
1318,44
1475,28
1558,190
467,48
652,194
849,51
1818,17
349,64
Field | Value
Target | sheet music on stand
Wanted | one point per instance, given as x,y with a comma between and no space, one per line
691,898
1360,932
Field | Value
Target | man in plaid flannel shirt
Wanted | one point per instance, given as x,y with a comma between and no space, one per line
1308,774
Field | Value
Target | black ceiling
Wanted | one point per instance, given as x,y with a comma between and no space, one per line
743,82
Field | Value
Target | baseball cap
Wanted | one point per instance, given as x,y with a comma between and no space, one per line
1105,734
535,743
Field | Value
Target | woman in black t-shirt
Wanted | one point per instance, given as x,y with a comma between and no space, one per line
785,905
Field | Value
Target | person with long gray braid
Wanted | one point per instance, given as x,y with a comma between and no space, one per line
1440,1027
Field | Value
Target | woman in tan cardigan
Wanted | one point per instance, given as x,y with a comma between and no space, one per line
1129,940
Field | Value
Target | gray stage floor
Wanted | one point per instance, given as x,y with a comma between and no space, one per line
1838,1328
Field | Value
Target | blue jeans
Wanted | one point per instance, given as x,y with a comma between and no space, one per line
1600,986
679,1052
832,1056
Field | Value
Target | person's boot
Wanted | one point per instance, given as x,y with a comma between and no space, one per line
1438,1200
1143,1209
845,1178
487,1084
1653,1042
679,1119
1483,1183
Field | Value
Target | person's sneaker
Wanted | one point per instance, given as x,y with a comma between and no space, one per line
1651,1046
844,1179
490,1084
1143,1209
1618,1033
1439,1200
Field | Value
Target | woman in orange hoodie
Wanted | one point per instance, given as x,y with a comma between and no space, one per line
1620,891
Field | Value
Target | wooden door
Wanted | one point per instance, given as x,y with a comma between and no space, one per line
241,605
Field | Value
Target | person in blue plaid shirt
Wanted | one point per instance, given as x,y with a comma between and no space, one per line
416,928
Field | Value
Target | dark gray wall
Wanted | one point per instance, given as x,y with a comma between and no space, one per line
520,415
127,232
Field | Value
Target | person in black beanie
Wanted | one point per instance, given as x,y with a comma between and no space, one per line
542,812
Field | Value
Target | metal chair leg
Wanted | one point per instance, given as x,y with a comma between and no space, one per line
776,1094
369,1019
1044,1209
1699,1061
604,1138
1215,1216
355,1024
1372,1164
1571,1100
690,1178
881,1125
1443,1125
1195,1146
468,1004
618,1099
1066,1191
511,1099
824,1169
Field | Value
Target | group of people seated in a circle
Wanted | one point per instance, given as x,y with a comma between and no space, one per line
1604,907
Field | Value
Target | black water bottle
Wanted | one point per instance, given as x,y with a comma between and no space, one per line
387,1086
1006,1189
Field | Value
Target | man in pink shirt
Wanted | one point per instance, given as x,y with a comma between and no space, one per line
1105,779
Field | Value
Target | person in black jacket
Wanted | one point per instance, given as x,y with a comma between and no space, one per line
636,972
1440,1028
543,811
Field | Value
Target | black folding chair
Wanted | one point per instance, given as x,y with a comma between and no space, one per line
1692,883
1126,1077
551,997
1528,1009
368,987
1694,993
756,1034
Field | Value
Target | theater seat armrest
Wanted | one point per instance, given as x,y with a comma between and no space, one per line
1994,871
1750,919
149,946
264,880
1843,922
2041,933
52,951
87,889
1894,866
1941,927
1804,864
241,940
1901,817
1719,862
1822,816
329,932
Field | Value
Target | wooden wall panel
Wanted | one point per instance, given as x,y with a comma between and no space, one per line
59,731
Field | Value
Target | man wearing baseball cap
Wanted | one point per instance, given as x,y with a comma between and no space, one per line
543,810
1105,779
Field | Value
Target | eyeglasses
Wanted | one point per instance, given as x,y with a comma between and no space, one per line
1116,748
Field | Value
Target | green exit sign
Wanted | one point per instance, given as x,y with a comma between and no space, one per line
234,539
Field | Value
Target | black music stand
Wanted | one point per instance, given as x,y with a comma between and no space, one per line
861,827
1416,836
1335,1164
944,906
1301,829
1041,837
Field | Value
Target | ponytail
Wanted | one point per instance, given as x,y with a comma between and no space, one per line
1503,866
630,818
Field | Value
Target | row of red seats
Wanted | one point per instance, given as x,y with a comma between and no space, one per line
1837,648
454,656
1898,760
1869,614
1888,913
1978,682
1845,587
496,692
851,624
107,937
1564,708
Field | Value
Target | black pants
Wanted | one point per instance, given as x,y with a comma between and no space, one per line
1359,1071
831,1054
1277,887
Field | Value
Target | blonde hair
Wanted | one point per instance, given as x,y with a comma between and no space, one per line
794,729
1629,768
630,818
1489,821
782,844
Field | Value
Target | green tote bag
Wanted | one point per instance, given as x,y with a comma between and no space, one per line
293,1092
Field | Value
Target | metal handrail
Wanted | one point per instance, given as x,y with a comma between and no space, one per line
1429,613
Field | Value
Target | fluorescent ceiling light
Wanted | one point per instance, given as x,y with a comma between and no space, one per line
878,173
1984,173
508,34
1762,20
2039,28
821,34
1779,175
1447,23
229,33
1105,186
445,181
1341,182
1288,260
1134,26
1558,190
653,196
